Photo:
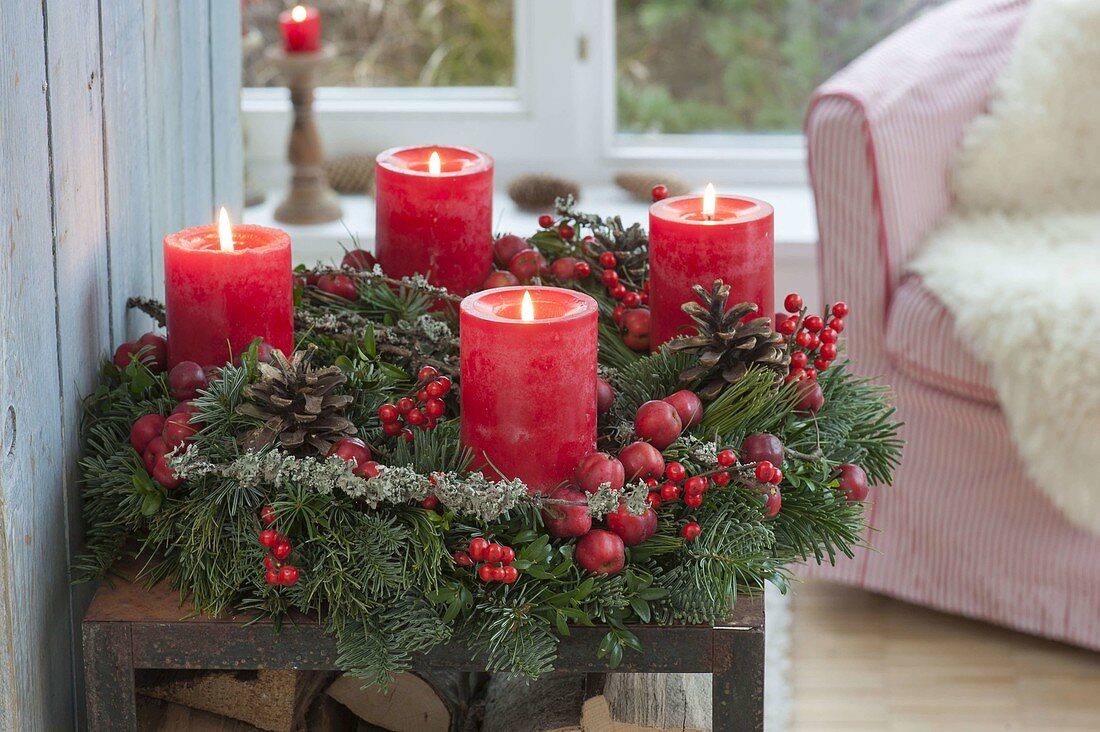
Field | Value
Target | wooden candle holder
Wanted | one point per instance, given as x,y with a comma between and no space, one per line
310,200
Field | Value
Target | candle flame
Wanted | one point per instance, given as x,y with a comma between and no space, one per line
708,201
526,308
298,14
225,231
434,163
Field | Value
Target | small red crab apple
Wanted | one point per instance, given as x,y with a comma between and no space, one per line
659,422
601,552
598,468
564,520
632,528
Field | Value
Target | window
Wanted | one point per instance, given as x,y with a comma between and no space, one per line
713,89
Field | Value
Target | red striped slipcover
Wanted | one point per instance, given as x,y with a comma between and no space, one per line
963,529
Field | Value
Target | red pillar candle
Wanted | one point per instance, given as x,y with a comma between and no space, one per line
434,215
694,240
529,382
224,290
301,29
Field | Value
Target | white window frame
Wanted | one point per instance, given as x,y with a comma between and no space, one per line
560,116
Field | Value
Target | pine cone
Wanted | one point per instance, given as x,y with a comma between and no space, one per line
352,173
300,410
725,346
539,191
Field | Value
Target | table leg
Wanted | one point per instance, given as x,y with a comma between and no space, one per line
109,677
737,684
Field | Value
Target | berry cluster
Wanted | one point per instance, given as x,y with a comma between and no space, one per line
355,451
421,408
813,345
278,571
496,561
631,314
151,349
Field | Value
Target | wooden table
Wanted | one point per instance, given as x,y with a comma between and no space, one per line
129,626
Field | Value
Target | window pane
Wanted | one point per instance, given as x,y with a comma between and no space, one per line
382,43
739,65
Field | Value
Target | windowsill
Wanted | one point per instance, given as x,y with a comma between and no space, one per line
795,220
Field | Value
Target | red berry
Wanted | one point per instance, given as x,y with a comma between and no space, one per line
434,408
415,417
565,231
485,573
267,514
359,259
269,562
393,428
617,291
369,469
793,302
659,192
828,335
493,553
804,338
675,471
853,482
526,264
443,386
269,538
125,353
809,373
498,574
407,434
787,326
695,486
338,285
154,451
163,474
271,577
546,221
288,575
691,531
727,458
507,247
777,476
186,379
463,559
813,323
598,468
821,364
427,373
828,351
632,299
281,550
477,548
799,359
814,341
429,503
388,413
581,270
144,430
509,575
156,351
658,422
618,313
605,396
840,310
178,430
507,555
670,492
721,478
773,501
837,324
609,277
653,498
434,390
764,471
350,449
405,405
607,259
693,501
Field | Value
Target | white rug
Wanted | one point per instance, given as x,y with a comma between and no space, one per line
1018,261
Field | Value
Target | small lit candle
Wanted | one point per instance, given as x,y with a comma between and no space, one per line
434,215
694,240
225,286
301,29
528,366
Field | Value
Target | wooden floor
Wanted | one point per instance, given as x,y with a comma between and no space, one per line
865,662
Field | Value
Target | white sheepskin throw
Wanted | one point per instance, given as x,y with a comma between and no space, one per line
1018,261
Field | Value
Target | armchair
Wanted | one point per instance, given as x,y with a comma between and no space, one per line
963,529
